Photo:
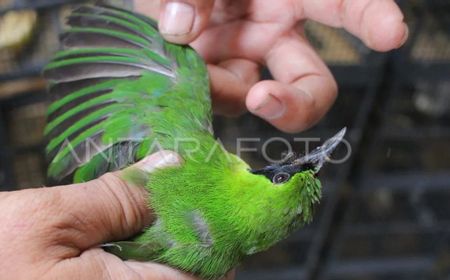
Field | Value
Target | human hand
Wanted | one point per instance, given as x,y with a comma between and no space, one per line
236,37
54,233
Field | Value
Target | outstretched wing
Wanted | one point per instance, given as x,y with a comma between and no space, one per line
116,86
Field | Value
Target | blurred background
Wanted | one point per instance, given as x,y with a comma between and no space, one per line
385,212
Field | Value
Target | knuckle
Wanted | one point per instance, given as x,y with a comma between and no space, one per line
111,181
124,198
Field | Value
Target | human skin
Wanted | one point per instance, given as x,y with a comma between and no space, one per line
54,233
237,37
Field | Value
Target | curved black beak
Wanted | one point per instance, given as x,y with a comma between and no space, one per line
311,161
321,154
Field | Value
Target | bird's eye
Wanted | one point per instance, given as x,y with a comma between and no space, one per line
281,177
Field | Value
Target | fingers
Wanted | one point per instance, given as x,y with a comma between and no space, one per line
303,91
180,21
230,82
97,264
378,23
113,207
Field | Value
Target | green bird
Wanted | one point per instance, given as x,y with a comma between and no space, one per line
119,93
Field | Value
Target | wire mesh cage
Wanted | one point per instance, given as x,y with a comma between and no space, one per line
396,220
385,212
396,224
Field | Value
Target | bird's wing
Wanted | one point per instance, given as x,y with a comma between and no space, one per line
116,86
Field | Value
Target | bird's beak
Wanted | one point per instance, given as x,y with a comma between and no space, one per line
321,154
311,161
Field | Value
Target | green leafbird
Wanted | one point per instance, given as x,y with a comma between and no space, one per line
120,92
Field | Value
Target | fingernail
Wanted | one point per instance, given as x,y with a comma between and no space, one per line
178,19
270,108
159,160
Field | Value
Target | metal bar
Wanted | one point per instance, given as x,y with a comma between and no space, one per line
7,181
30,97
27,71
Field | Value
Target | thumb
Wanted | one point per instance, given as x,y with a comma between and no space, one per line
114,206
181,21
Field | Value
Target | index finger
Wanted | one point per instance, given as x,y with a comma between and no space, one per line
304,89
378,23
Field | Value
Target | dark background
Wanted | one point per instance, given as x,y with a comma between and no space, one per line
385,212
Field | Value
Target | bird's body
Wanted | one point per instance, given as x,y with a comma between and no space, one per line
215,214
120,93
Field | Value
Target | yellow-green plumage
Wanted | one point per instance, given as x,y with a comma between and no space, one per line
120,93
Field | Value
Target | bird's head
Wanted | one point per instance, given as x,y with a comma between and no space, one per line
294,170
283,194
